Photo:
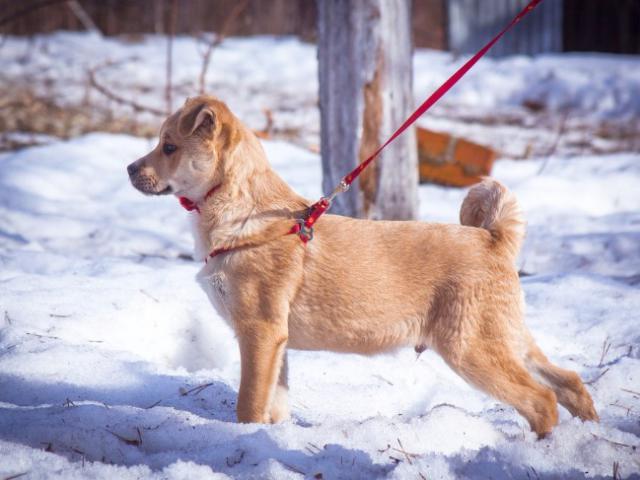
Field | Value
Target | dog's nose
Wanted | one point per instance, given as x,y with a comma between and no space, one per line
133,169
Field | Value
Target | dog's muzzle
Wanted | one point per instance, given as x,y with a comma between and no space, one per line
145,183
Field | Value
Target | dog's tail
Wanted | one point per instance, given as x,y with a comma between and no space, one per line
490,205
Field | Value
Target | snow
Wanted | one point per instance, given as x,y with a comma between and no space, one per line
106,334
114,365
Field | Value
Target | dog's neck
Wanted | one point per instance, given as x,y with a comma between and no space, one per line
191,205
251,206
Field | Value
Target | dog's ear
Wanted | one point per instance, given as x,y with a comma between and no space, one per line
196,118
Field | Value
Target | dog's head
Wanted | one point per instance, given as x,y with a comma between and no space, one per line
193,143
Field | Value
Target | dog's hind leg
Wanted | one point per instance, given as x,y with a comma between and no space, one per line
495,369
567,385
280,404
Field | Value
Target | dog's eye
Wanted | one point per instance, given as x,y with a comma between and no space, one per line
169,148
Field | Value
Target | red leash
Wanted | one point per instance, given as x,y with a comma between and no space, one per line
304,228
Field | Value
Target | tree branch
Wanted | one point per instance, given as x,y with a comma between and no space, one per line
218,39
173,13
117,98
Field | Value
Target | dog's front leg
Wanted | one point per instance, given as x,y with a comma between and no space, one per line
262,350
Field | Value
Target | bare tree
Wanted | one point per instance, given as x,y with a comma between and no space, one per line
168,91
365,71
218,38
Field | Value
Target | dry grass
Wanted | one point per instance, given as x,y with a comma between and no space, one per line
21,110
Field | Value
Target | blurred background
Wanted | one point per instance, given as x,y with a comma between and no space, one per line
65,84
565,26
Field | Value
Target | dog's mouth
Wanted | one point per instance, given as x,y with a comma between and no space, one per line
149,185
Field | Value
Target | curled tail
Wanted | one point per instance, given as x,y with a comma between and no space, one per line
490,205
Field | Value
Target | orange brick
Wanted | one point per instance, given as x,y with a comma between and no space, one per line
452,161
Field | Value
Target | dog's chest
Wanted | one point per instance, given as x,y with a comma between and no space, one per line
201,243
216,285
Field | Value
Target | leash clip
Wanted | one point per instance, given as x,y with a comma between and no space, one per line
305,233
342,187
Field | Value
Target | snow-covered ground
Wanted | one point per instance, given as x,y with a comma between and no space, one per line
114,365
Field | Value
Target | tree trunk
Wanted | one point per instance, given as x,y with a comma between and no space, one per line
365,71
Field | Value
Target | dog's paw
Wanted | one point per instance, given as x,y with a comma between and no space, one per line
280,405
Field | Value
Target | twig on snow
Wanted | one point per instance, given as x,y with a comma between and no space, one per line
633,392
404,452
382,450
618,444
388,382
7,318
8,348
42,336
534,472
136,442
234,461
155,404
149,295
157,426
606,345
315,447
292,468
17,475
79,452
195,390
616,471
594,380
628,409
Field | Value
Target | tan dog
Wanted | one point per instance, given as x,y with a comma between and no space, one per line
359,286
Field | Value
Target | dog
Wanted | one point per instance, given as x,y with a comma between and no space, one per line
359,286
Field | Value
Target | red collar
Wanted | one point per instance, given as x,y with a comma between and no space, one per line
305,233
216,252
190,205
